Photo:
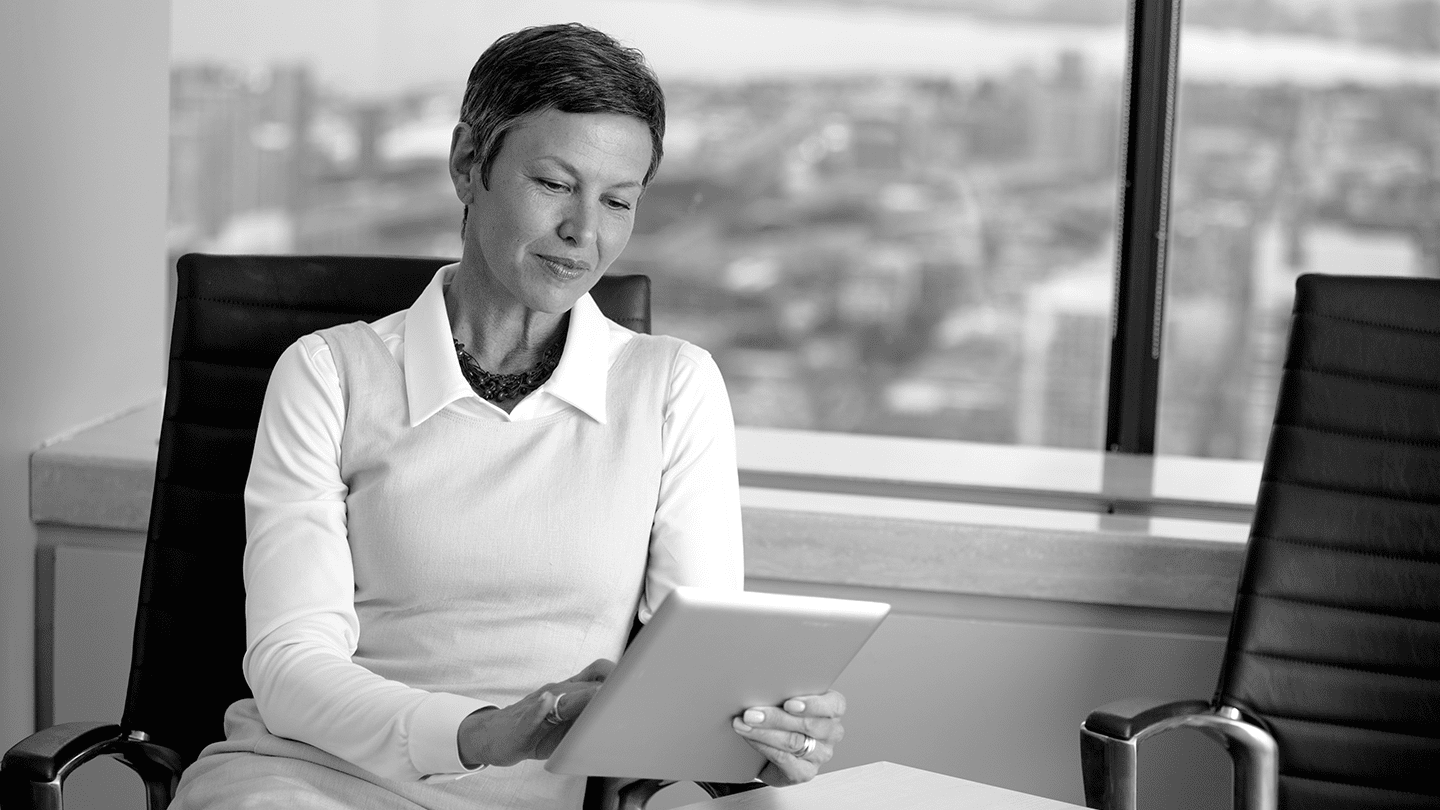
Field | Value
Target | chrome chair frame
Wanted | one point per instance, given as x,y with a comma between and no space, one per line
1110,736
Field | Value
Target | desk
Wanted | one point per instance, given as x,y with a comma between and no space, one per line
883,785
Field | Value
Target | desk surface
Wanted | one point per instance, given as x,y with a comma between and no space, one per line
880,785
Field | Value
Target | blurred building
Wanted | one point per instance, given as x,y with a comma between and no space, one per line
1063,358
242,166
1074,121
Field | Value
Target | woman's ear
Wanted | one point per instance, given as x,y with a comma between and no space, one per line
463,158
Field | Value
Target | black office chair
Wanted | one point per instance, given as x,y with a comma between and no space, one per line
1329,695
234,315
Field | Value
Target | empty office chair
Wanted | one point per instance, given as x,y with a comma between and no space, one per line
234,315
1329,695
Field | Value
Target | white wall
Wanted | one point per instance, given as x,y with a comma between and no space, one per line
84,105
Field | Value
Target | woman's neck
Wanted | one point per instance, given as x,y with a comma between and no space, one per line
504,336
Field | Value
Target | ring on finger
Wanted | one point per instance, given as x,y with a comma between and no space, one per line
554,715
805,748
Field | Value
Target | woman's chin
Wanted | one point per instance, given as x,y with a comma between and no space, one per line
556,295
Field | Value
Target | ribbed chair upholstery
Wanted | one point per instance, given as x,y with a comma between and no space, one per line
1334,647
234,315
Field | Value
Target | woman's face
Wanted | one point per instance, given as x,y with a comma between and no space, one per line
560,207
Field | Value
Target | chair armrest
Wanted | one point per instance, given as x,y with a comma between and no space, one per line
611,793
719,789
33,770
50,753
638,793
619,793
1138,718
1109,735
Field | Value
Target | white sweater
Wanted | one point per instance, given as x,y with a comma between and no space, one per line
412,558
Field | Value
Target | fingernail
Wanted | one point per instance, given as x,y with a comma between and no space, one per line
794,706
753,716
740,725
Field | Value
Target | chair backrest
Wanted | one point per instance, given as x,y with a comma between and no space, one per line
234,315
1335,641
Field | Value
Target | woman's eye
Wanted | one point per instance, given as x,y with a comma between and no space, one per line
618,205
552,185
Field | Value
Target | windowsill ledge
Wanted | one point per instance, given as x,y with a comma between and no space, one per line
860,534
101,477
1080,481
1120,561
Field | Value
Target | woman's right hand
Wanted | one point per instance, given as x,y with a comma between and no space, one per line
528,729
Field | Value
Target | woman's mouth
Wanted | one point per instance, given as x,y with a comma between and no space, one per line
566,269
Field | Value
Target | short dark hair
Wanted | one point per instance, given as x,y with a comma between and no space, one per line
571,68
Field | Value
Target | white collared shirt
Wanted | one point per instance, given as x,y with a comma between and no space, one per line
300,616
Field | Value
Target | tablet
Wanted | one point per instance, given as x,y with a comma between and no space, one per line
705,657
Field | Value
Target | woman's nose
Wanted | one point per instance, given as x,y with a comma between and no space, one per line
577,227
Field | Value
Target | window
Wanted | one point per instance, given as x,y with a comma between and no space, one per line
1305,143
881,217
891,217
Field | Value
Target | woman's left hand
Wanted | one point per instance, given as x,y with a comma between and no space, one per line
781,734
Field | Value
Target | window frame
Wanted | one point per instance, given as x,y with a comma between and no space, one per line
1143,235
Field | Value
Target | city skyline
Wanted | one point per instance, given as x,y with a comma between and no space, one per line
381,47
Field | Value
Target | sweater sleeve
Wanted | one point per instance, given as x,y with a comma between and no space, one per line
696,537
300,622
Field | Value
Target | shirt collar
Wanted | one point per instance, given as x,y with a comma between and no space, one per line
432,373
584,366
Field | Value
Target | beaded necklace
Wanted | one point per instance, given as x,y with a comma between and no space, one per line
503,387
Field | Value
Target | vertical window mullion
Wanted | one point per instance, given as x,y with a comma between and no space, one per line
1139,296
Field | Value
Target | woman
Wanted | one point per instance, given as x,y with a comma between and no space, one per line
452,509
